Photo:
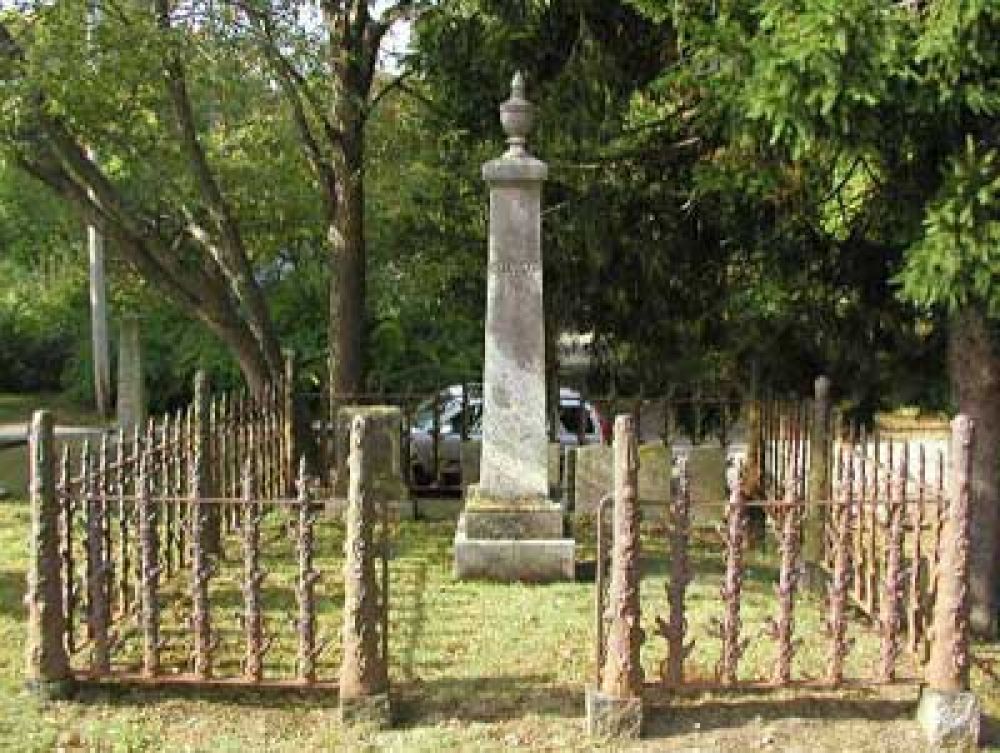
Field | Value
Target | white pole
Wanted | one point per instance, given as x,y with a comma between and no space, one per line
98,287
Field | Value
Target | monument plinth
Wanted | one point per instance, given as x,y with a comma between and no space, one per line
510,529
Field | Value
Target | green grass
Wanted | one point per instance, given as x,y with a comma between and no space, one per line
476,666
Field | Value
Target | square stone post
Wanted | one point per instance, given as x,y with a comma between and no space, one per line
131,395
383,457
47,671
510,529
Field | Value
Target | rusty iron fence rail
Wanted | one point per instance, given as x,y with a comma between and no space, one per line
228,431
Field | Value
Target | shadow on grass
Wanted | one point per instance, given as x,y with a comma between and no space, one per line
408,605
664,718
485,699
13,584
989,731
134,696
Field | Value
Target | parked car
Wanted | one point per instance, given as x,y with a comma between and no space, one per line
449,407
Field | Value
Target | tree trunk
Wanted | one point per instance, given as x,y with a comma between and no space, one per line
347,274
974,368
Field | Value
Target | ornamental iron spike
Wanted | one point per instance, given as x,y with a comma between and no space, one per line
149,558
789,525
731,592
840,582
306,580
98,613
892,584
674,628
253,577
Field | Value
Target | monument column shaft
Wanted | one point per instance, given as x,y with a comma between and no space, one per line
510,530
514,461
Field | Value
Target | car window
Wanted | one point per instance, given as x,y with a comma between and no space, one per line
475,418
570,415
450,416
424,417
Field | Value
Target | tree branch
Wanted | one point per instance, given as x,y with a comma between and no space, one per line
231,254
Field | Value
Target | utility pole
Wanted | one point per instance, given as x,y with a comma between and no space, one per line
98,286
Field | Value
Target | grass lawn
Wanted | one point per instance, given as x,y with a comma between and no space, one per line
475,667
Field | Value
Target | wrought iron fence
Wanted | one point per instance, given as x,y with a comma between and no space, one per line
139,572
892,545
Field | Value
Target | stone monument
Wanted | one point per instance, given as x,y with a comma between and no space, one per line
510,529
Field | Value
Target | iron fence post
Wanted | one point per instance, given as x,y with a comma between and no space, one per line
48,670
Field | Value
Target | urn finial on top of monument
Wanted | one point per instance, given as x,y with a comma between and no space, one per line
517,116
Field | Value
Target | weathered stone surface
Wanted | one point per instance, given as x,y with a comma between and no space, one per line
512,560
621,672
471,455
510,530
131,394
707,471
612,717
950,719
540,519
593,476
514,436
384,423
366,713
655,477
472,452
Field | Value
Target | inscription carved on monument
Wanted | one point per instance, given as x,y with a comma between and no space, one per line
515,269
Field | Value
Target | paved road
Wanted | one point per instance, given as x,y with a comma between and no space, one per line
13,435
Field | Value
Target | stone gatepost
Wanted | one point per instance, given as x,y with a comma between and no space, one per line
511,530
383,456
131,395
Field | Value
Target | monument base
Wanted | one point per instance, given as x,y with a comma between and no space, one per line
512,540
612,717
950,720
